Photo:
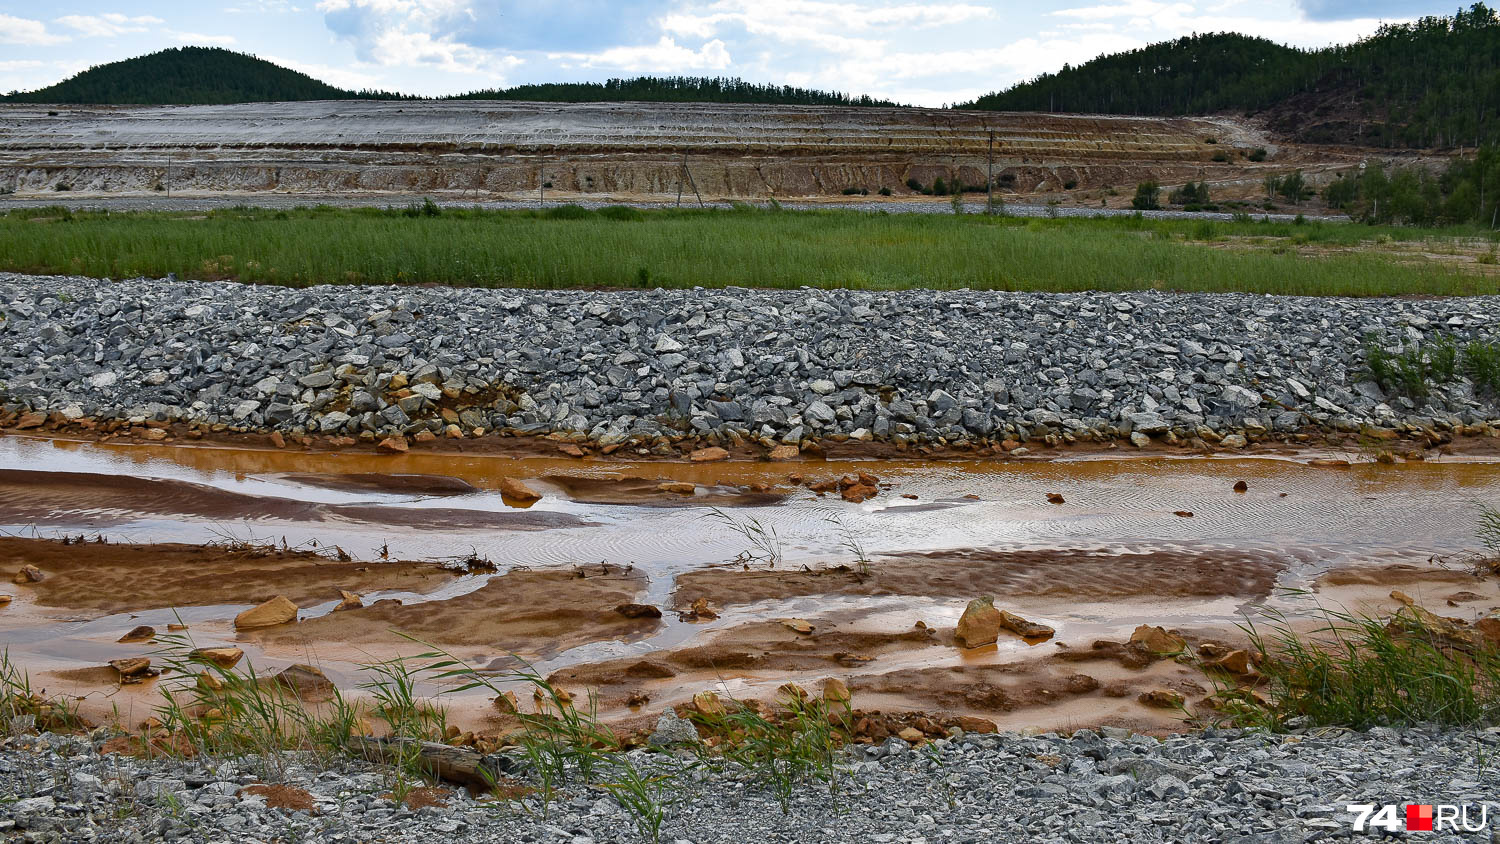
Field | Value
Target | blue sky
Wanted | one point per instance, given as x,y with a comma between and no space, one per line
929,53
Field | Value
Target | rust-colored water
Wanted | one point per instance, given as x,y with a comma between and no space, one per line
1307,518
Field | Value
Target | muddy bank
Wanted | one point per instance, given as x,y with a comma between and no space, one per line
98,501
532,614
1057,574
112,578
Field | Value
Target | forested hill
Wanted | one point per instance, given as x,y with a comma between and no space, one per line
1431,83
673,89
188,76
209,75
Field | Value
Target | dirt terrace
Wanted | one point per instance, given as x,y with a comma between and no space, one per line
610,149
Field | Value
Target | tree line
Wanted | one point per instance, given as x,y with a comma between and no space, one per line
1431,82
213,76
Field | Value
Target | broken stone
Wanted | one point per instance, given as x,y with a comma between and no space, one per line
348,601
798,625
708,455
393,445
1235,662
638,611
1186,514
911,735
970,724
647,670
708,705
306,681
517,490
1162,699
836,692
29,574
700,611
785,452
1241,486
142,633
131,666
507,704
278,610
979,625
222,657
677,487
1055,498
1024,628
1157,640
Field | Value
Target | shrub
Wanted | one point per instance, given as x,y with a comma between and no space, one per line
621,212
1220,156
62,186
885,191
851,191
1191,194
1070,184
914,185
940,187
1147,196
1257,154
569,212
1481,364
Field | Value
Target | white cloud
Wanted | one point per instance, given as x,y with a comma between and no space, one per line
27,32
665,56
108,24
200,38
1128,9
342,77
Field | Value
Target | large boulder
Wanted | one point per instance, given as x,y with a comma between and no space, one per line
278,610
980,624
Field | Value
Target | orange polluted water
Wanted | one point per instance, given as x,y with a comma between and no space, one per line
1112,556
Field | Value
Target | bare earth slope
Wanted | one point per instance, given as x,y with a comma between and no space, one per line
486,149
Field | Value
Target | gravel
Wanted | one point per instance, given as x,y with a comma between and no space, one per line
730,365
1216,785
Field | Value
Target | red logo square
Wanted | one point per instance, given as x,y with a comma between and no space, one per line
1418,817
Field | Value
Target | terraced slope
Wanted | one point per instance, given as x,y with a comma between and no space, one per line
621,149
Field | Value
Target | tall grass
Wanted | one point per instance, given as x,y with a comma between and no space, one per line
714,248
1360,672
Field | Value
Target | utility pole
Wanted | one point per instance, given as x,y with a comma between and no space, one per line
169,178
989,179
694,185
541,185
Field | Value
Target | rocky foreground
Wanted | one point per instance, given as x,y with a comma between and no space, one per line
726,367
1223,786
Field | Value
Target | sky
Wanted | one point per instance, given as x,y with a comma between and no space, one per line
923,53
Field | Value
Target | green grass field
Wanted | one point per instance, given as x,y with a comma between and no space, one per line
620,247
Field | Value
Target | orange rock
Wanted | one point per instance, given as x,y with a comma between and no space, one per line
1162,699
1055,498
276,439
518,490
708,455
1157,640
1241,486
348,601
570,449
785,452
836,692
424,437
222,657
911,734
979,625
798,625
708,704
1024,628
278,610
638,611
677,487
970,724
393,445
131,666
142,633
506,702
29,574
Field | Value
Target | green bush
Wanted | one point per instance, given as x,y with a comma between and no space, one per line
1257,154
623,213
885,191
915,185
569,212
940,187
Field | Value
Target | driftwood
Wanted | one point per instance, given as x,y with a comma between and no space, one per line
455,764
